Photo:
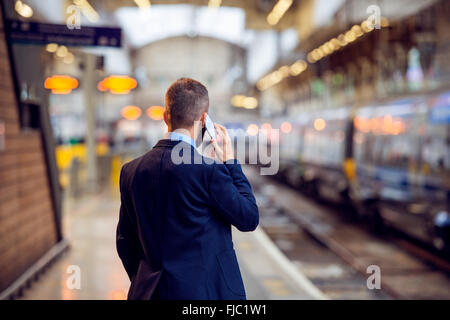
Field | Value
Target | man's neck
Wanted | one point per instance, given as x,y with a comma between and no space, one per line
188,132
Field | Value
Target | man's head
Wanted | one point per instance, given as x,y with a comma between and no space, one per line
187,101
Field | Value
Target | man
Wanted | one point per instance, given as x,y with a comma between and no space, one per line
174,230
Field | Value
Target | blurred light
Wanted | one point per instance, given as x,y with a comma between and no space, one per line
23,9
278,11
69,58
386,125
250,103
367,26
252,129
375,125
131,112
392,126
271,79
117,84
118,295
242,101
155,112
320,52
319,124
298,67
87,10
274,136
336,43
357,30
62,51
213,4
61,84
237,100
286,127
343,39
362,124
284,71
330,46
325,49
143,4
276,76
350,36
316,54
266,127
51,47
101,87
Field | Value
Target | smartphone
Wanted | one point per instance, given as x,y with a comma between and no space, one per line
209,126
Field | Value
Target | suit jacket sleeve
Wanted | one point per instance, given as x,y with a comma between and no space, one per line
232,197
127,241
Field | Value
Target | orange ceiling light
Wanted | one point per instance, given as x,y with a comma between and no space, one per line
319,124
252,129
155,112
286,127
266,126
61,84
117,84
131,112
101,87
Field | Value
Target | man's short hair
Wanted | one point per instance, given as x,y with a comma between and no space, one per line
186,100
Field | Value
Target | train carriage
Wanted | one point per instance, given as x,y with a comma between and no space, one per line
401,152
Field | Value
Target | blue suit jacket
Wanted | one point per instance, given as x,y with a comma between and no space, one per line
174,230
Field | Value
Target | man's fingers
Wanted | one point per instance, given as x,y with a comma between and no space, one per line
220,135
217,149
221,129
216,145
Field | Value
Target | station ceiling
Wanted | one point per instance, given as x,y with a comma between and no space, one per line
256,10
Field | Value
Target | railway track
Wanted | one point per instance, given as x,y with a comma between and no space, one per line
342,251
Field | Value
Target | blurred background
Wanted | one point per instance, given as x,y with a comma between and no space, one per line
355,95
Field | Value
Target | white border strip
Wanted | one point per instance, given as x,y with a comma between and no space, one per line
288,267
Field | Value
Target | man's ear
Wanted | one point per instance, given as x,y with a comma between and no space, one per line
167,117
203,118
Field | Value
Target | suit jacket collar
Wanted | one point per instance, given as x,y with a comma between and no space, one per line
168,143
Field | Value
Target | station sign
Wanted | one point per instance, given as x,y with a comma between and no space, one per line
44,33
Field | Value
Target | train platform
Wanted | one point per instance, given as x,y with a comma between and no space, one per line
90,228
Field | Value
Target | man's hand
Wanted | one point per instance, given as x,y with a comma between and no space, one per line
223,146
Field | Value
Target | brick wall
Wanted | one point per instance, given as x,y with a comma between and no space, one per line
27,226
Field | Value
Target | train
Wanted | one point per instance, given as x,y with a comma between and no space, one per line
389,160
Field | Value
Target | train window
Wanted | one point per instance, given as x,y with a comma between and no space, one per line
327,145
397,149
436,143
436,149
362,150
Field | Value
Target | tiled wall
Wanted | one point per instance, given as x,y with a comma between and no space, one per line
27,226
